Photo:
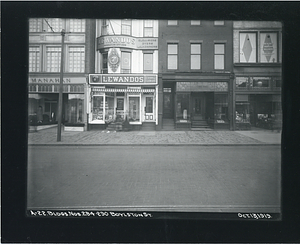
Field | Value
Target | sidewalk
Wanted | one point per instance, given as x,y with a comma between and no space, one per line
105,138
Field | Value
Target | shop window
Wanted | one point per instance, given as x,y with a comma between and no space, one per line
148,62
195,22
134,109
97,108
172,56
172,22
76,59
53,55
77,25
182,107
35,25
219,59
268,48
195,56
109,109
126,27
126,62
241,82
104,27
148,28
242,109
34,59
221,108
248,47
75,108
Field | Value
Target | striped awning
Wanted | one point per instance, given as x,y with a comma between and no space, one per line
122,90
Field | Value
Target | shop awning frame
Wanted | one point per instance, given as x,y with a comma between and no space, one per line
123,90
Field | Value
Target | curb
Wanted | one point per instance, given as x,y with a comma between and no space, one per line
156,144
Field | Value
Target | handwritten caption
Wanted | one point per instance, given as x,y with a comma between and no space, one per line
254,216
40,213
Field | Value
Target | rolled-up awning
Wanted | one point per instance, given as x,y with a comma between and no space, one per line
122,90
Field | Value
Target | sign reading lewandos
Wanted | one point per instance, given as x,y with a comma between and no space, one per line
123,79
127,42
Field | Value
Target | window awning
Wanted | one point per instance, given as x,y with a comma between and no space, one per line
122,90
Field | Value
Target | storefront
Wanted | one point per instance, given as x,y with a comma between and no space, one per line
117,98
258,102
197,102
43,100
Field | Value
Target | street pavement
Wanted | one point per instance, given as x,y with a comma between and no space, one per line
48,136
157,178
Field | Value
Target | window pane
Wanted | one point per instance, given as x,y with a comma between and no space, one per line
34,59
56,24
195,49
247,47
268,47
148,31
182,106
53,59
172,48
221,108
134,109
148,23
195,62
35,25
149,104
172,62
75,108
126,62
219,49
219,22
77,25
126,27
76,59
172,22
219,61
148,63
195,22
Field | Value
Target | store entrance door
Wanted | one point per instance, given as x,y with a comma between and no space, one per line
168,105
149,115
199,106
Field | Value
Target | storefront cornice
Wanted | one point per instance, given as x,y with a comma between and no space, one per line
194,77
257,65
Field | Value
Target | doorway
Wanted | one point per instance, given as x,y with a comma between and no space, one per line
199,106
168,103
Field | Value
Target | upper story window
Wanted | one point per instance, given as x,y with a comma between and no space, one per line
195,22
126,27
248,47
34,59
77,25
104,27
268,47
148,28
173,56
104,63
53,58
219,22
126,62
172,22
35,25
148,62
196,56
56,24
219,56
76,58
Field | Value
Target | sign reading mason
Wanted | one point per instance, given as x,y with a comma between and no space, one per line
122,79
127,42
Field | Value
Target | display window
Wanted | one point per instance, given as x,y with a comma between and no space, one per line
109,110
74,108
221,108
242,112
97,108
182,107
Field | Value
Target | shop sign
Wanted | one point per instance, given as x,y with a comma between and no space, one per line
127,42
201,86
53,80
122,79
